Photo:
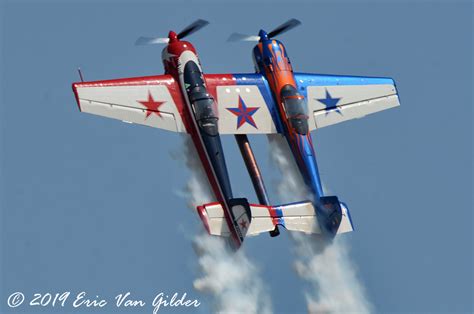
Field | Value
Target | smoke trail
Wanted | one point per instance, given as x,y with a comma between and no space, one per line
335,287
229,278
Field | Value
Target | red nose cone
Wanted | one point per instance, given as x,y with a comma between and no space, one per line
173,37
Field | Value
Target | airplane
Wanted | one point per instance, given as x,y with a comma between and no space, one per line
306,102
204,106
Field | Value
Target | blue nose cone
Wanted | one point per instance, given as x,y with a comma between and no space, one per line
263,35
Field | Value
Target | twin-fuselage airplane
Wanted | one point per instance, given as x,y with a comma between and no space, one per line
271,101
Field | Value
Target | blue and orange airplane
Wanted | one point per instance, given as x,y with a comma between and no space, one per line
304,102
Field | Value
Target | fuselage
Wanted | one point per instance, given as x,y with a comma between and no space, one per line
271,60
181,61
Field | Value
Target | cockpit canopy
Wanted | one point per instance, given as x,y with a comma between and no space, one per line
202,101
296,109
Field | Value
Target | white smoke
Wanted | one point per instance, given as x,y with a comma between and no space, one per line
327,267
230,278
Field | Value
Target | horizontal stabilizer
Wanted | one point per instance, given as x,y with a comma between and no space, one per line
300,216
295,217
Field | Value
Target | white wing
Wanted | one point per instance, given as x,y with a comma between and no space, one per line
153,101
333,99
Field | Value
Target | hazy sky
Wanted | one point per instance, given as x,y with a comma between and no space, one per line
93,204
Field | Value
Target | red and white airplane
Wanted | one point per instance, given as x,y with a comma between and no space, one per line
204,106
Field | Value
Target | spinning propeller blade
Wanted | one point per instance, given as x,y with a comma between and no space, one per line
193,27
292,23
151,40
242,37
284,27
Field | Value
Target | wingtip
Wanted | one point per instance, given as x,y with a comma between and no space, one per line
76,95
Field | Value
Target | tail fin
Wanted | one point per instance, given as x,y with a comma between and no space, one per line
213,218
333,216
346,222
241,215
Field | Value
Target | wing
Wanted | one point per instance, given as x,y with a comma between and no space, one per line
333,99
152,100
245,103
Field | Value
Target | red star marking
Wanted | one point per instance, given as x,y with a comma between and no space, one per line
243,224
151,105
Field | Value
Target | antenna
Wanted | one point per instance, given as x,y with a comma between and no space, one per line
80,74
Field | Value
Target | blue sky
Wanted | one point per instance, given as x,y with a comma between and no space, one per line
93,204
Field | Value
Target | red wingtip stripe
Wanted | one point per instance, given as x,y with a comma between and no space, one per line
203,215
74,89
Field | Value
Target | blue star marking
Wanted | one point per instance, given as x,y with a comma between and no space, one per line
330,103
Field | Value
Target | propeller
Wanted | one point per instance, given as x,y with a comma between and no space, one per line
242,37
188,30
292,23
151,41
284,28
194,27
